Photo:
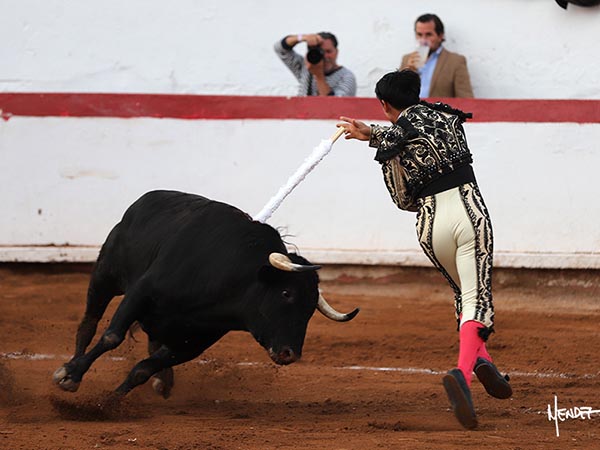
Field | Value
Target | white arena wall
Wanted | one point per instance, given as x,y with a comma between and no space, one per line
515,48
67,181
68,176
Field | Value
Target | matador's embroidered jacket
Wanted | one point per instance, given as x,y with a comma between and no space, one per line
426,142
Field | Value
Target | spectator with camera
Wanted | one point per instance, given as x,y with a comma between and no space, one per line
443,73
318,72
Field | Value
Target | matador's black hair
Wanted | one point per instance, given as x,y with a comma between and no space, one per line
400,88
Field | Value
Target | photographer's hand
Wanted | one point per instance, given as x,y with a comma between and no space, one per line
312,40
318,72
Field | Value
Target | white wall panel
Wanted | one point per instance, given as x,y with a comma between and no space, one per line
515,48
67,181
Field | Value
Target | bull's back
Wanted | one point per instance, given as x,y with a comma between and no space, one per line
157,214
150,224
182,233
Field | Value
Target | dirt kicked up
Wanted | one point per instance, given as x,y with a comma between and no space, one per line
373,383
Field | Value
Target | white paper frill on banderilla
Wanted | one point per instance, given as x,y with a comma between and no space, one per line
318,153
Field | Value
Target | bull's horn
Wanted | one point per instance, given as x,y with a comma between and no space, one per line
327,310
282,262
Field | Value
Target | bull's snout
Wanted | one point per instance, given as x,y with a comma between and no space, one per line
285,356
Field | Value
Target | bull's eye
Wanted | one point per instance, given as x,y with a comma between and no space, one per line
287,295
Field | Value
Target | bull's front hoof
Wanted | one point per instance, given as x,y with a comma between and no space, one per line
160,387
63,380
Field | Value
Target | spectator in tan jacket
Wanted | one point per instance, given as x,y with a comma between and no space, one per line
443,73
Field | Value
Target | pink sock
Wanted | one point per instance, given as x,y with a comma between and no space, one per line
470,346
483,353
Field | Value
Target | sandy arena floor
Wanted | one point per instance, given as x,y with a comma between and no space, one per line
373,383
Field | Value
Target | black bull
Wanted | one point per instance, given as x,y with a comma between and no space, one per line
191,270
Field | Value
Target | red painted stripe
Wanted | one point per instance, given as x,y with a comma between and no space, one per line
252,107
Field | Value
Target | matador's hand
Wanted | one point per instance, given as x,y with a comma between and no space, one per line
355,129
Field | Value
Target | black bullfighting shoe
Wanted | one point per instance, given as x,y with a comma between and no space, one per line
494,383
460,398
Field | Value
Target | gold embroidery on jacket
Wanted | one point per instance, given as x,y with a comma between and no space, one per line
394,176
436,147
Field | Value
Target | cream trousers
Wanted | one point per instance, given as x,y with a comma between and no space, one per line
455,232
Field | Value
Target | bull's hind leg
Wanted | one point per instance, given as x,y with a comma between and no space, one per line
164,358
163,381
69,376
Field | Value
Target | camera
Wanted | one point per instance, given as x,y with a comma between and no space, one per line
315,55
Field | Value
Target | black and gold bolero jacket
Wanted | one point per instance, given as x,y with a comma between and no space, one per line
426,143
